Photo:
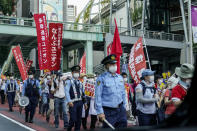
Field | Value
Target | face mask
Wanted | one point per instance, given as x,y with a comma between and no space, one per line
113,69
31,76
11,78
151,79
48,77
188,82
76,75
125,79
84,78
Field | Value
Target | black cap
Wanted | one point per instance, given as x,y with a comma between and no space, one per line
76,68
110,59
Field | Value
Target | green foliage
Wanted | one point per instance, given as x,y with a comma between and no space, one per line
136,13
87,11
6,6
105,2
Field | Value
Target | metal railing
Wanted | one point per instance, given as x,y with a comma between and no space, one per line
92,28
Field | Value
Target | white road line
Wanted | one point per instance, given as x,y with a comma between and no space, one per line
18,123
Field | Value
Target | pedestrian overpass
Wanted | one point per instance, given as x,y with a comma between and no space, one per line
161,46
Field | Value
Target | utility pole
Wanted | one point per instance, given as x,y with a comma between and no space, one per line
110,19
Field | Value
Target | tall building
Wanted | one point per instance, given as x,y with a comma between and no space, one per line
71,13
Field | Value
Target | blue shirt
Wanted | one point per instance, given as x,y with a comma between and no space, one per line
32,82
67,89
13,82
109,91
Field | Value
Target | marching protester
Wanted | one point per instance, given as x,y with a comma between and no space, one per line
110,96
52,86
76,98
185,73
59,101
169,106
2,90
33,92
146,97
10,89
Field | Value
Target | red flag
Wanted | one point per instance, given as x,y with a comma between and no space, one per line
116,47
55,45
43,42
83,64
137,61
28,64
19,61
109,49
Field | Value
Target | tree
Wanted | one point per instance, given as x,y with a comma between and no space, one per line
7,6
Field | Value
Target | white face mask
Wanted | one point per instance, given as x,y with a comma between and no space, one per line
11,78
151,79
76,75
48,77
125,79
113,69
31,76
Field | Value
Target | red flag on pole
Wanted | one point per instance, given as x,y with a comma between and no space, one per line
83,64
28,64
43,42
19,61
55,45
109,49
137,61
116,47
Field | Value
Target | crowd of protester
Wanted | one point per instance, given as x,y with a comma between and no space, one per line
148,103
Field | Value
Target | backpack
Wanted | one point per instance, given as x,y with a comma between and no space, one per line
134,105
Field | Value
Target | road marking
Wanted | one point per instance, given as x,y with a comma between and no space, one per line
18,123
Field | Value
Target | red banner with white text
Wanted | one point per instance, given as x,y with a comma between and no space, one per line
19,61
43,41
109,47
55,45
83,64
28,64
137,61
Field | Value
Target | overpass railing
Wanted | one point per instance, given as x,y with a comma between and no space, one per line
93,28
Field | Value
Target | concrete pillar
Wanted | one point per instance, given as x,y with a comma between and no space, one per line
89,57
65,61
165,64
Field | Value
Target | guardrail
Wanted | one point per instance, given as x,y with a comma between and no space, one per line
92,28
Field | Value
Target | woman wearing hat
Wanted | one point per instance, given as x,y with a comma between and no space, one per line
185,73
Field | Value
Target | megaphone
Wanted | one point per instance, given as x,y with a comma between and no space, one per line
23,101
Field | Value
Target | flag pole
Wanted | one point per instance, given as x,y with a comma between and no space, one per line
142,29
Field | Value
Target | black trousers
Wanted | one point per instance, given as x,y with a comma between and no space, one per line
31,108
2,96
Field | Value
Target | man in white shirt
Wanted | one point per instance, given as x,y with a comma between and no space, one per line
60,101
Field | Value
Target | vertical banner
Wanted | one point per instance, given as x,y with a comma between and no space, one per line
43,42
19,61
83,64
109,49
55,45
194,22
28,64
137,61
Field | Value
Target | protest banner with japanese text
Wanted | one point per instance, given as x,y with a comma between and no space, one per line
137,61
19,61
83,64
43,41
28,64
55,45
89,88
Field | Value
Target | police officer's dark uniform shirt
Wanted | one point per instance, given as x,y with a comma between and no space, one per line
11,86
33,82
109,92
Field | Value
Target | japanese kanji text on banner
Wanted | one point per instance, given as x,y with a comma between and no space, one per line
19,61
28,64
43,42
137,61
55,46
89,88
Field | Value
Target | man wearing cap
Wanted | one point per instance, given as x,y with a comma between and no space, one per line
31,89
75,97
10,89
110,96
146,98
185,73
